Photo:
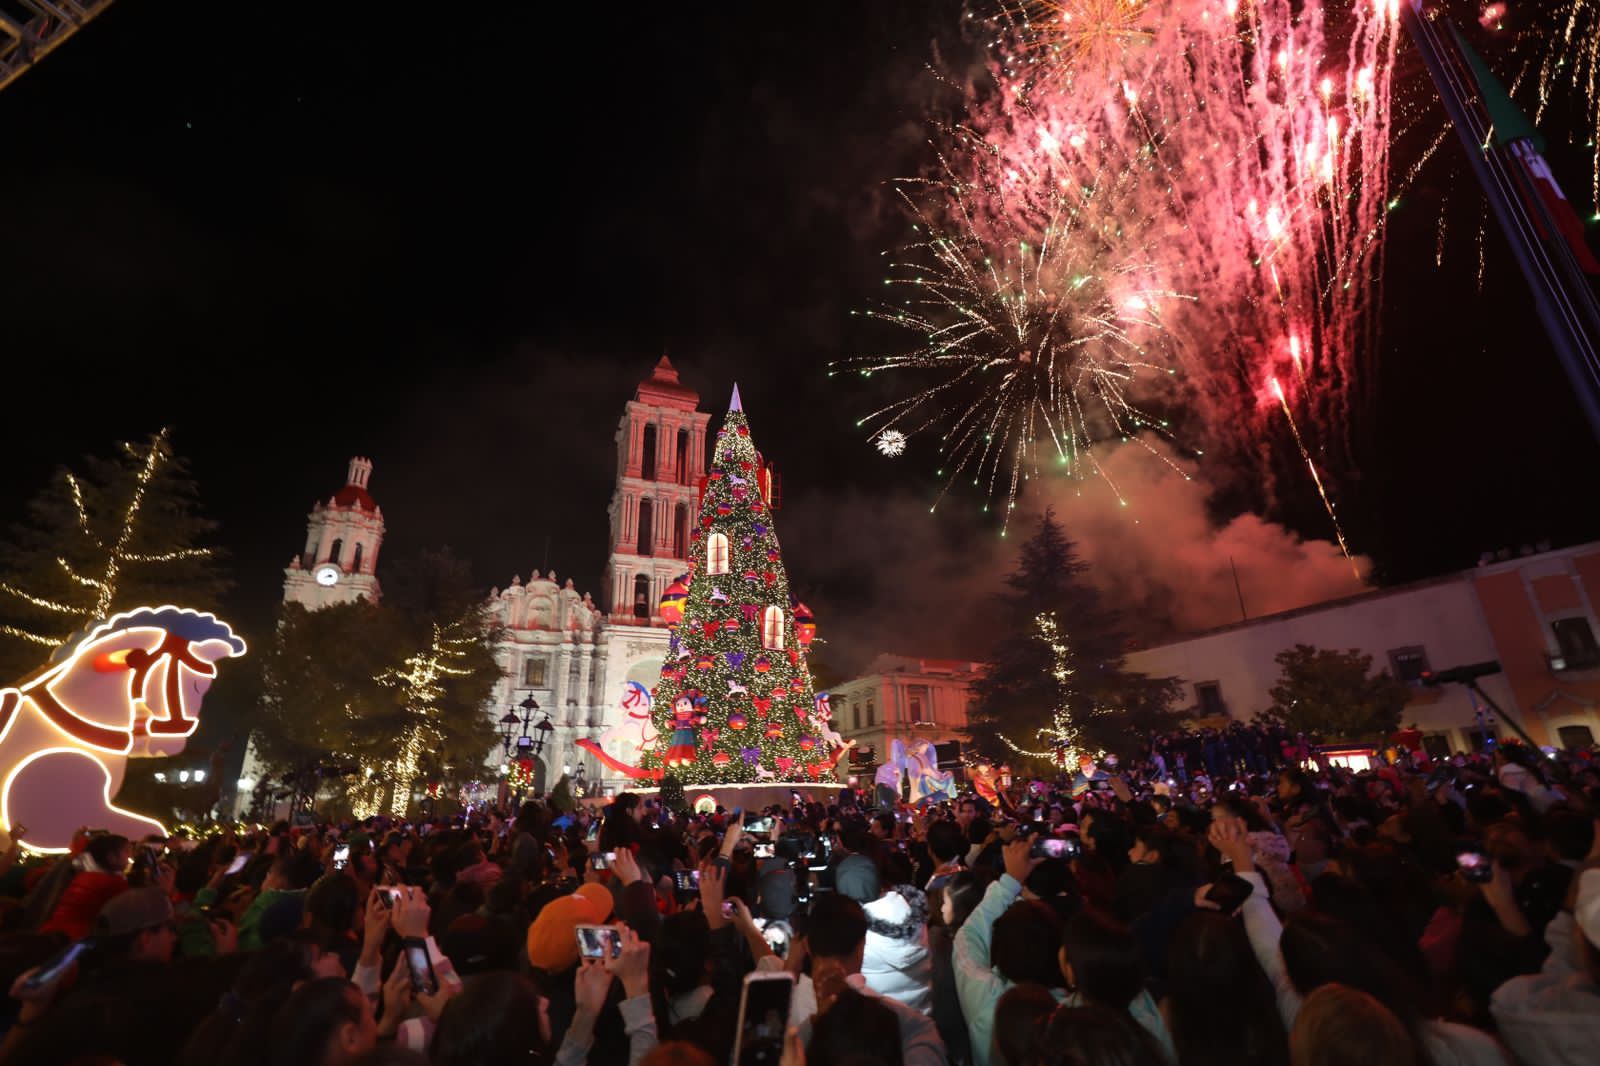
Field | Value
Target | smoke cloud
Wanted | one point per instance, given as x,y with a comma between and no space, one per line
885,575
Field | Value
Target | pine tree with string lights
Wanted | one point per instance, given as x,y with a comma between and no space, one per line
735,702
1057,683
125,532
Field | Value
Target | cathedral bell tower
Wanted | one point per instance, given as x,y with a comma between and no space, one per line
343,536
661,458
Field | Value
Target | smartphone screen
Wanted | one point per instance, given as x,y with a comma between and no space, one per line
1047,847
423,979
763,1019
602,860
237,864
53,969
1475,867
598,942
766,850
687,881
341,856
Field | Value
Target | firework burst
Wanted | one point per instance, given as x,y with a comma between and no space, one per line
1146,211
1036,316
892,442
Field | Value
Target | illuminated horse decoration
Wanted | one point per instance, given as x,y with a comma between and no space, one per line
131,688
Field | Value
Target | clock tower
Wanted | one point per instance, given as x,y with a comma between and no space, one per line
343,536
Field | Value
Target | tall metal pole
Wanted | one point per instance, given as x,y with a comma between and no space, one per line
1563,298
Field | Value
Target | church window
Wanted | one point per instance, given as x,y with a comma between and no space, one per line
647,460
646,525
534,671
355,561
680,531
333,552
717,554
641,596
772,628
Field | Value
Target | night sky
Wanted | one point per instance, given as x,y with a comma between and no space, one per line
454,242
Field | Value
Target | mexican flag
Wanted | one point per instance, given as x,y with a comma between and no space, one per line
1518,145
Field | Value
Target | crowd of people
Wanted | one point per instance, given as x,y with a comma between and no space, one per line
1217,901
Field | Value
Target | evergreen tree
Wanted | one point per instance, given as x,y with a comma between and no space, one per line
1057,676
125,532
1334,695
396,690
735,702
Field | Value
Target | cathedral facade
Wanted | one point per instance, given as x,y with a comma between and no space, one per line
589,666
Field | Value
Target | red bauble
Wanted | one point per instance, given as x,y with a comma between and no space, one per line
774,729
721,758
737,720
807,743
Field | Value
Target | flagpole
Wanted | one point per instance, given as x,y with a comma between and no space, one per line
1566,305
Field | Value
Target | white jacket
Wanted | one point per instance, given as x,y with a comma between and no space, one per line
896,964
1551,1017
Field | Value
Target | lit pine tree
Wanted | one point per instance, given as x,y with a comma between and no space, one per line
735,702
125,532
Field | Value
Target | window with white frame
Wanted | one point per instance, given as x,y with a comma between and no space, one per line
717,554
772,628
534,670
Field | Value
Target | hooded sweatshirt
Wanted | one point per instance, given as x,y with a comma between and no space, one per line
896,963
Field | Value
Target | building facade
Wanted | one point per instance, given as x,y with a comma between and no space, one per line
343,536
904,698
580,660
1535,614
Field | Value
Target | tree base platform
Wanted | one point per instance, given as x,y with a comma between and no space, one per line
759,795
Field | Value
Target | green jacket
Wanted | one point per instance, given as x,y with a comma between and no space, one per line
250,920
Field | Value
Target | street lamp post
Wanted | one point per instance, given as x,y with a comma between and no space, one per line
514,735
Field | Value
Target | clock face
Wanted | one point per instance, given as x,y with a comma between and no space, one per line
327,575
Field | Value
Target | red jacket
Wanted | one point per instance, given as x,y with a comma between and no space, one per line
81,902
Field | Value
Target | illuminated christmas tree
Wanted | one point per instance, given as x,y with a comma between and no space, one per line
735,701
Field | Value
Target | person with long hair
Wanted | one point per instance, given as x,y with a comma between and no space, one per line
1220,1006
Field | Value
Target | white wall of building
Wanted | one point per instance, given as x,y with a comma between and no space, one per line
1443,618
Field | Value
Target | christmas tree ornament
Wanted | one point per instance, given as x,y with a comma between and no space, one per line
672,601
763,664
737,720
712,628
762,705
805,626
735,662
705,662
774,730
730,625
770,578
718,596
751,611
720,759
751,756
807,743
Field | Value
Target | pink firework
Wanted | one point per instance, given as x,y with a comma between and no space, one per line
1228,157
